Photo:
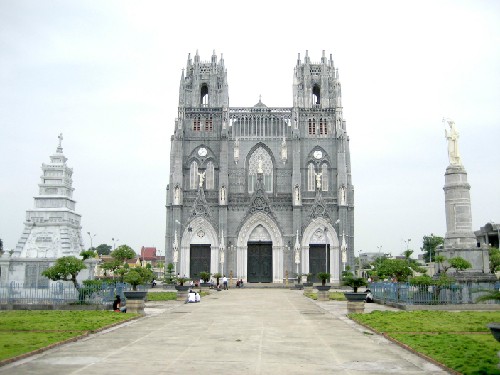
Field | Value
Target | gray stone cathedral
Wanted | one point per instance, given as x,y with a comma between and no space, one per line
260,193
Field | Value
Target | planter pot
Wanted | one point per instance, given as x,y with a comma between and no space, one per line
308,284
135,301
323,287
355,297
495,330
299,286
323,292
135,294
182,292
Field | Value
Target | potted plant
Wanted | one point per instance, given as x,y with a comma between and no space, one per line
324,276
205,278
180,283
354,283
298,285
135,298
217,276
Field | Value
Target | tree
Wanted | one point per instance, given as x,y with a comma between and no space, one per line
1,246
398,268
66,269
137,276
87,254
459,263
103,249
123,253
429,244
494,259
407,254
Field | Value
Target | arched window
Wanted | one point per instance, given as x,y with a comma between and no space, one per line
196,124
310,177
209,125
324,177
204,95
316,95
260,159
193,175
312,126
209,173
323,130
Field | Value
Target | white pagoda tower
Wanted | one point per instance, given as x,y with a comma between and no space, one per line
52,228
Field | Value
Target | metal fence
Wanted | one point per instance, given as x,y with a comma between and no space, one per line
62,293
405,293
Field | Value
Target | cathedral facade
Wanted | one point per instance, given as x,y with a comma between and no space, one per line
260,193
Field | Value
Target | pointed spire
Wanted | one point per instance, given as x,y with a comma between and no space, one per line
176,242
343,246
297,243
222,245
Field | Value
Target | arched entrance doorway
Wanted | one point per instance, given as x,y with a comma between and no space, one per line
320,249
199,249
260,250
260,256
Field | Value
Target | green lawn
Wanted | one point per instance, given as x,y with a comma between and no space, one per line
24,331
334,296
459,340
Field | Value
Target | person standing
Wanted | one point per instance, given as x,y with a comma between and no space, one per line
224,282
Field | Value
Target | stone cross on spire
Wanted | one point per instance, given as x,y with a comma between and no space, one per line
59,147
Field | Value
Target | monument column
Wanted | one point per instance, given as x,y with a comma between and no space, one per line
460,240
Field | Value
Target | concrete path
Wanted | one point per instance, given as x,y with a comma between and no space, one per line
240,331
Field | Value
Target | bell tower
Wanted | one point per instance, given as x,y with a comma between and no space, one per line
204,84
316,85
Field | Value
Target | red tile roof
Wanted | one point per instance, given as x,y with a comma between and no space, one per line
148,253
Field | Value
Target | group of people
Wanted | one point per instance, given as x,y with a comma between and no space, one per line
193,297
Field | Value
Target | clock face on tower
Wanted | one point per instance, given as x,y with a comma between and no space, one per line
202,151
318,154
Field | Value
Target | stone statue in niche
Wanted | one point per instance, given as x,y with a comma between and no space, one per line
202,178
260,165
344,255
284,153
297,194
318,180
177,194
236,150
452,137
297,256
342,194
223,194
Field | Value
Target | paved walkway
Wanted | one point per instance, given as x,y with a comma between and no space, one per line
240,331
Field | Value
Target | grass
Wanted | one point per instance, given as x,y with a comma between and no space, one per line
459,340
25,331
162,296
334,296
169,296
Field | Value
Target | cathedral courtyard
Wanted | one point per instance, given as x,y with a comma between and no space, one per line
240,331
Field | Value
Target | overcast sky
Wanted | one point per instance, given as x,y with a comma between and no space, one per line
106,75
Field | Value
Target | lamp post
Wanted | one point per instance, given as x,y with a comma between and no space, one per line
91,236
114,242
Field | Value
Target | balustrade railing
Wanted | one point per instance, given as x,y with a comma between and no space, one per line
62,293
406,293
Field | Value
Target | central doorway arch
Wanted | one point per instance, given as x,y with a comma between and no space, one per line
260,250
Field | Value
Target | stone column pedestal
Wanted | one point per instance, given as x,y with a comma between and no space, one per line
135,306
355,307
